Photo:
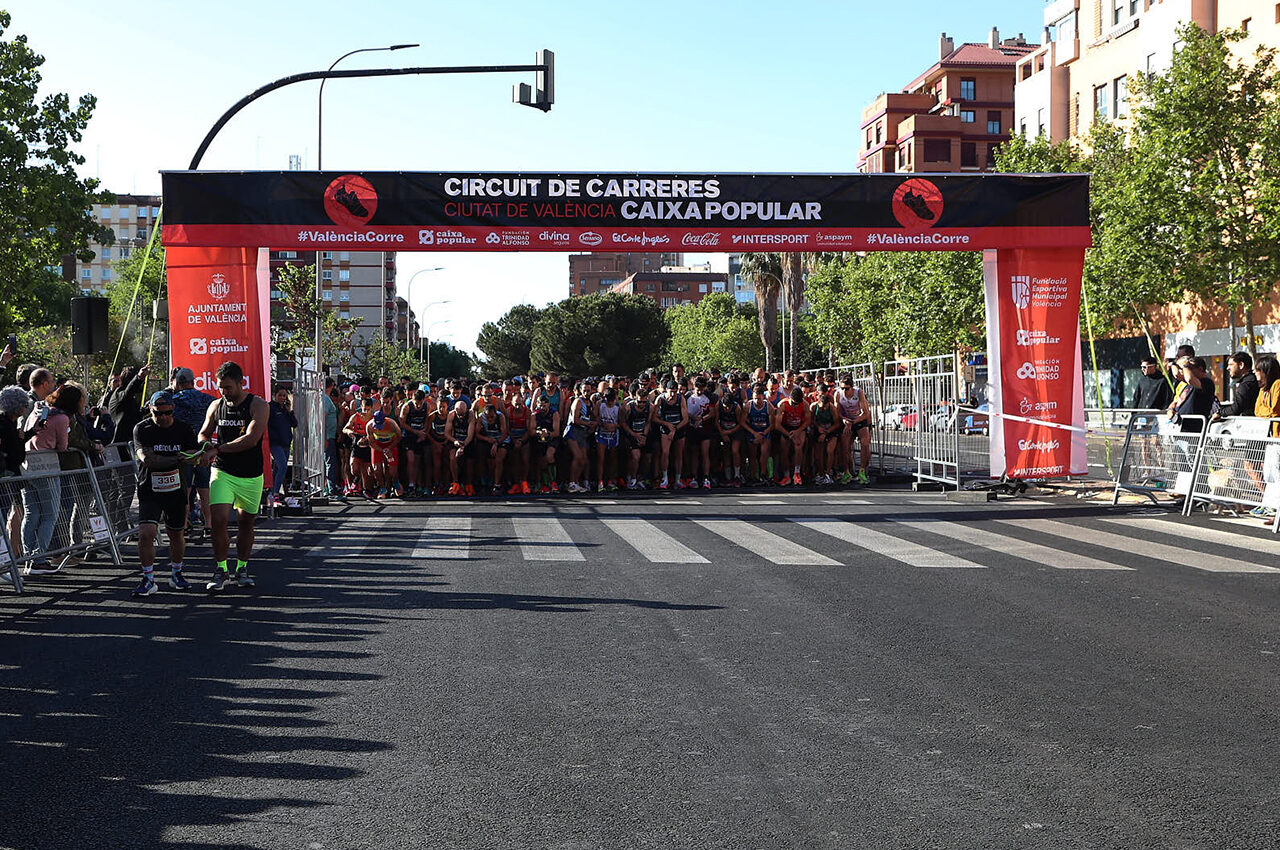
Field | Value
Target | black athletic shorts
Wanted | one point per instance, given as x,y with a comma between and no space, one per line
170,507
856,427
364,453
650,443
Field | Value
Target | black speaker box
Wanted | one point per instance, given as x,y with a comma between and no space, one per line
88,325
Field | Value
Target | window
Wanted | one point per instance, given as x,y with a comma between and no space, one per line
1040,122
968,88
1117,11
1244,25
142,233
1022,127
993,123
717,286
155,212
344,274
86,274
870,135
967,116
276,294
1100,103
1121,96
123,233
968,155
648,287
702,287
1278,13
326,275
1151,62
1133,8
106,212
344,256
326,255
122,213
106,274
344,296
878,135
106,253
328,295
992,150
125,253
142,212
345,314
288,255
937,150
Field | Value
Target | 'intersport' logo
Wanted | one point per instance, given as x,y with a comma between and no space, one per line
1020,286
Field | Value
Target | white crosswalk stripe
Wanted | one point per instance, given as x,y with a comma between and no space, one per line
544,539
445,537
888,545
1267,545
1027,551
652,542
351,538
1160,552
766,544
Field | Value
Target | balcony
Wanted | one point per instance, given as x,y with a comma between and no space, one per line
948,124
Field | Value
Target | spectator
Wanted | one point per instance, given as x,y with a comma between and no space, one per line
1267,373
15,404
1154,392
190,406
39,380
331,401
1244,386
49,426
280,424
1194,404
124,402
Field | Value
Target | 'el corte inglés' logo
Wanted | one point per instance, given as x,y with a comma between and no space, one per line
218,286
1020,287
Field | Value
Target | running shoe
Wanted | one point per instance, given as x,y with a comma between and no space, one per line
572,487
601,487
177,582
706,484
613,486
632,484
383,493
455,489
218,582
146,588
863,478
846,478
514,490
469,490
243,579
398,492
680,485
544,490
797,480
783,482
525,489
555,487
663,485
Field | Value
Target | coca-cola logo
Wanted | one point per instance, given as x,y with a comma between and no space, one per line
590,238
705,240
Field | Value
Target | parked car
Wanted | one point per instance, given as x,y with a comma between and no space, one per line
977,422
894,413
909,418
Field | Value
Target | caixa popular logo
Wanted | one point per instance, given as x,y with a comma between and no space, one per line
219,288
1020,289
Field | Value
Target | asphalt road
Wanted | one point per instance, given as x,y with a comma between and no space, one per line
874,669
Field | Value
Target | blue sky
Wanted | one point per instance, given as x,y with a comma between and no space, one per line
658,86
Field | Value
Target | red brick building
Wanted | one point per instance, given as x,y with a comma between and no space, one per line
951,117
600,271
673,288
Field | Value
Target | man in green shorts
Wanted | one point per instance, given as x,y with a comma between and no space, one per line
237,422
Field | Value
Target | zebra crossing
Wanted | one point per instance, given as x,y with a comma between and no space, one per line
916,540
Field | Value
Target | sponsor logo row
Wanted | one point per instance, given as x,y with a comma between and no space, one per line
510,238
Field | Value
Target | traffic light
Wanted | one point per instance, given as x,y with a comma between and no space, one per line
542,94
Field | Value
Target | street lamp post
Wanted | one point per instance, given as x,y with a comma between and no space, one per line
408,297
422,336
429,327
319,339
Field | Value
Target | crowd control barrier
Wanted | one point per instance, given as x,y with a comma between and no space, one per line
1159,455
1238,465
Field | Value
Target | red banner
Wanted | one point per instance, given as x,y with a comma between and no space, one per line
1033,351
219,310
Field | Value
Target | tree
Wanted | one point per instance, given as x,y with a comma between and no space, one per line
793,293
45,209
599,334
764,270
1209,131
507,343
449,362
716,331
293,321
387,357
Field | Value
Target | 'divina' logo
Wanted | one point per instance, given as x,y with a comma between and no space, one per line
1020,287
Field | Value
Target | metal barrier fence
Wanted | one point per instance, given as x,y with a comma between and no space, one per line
1238,465
1159,455
308,462
64,513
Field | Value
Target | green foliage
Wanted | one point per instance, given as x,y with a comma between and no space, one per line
448,362
124,280
44,207
1208,131
716,331
293,321
507,343
599,334
764,270
387,357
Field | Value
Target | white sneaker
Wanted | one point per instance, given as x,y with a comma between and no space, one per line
573,487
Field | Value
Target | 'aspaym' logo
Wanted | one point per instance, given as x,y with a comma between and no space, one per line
218,286
917,204
350,201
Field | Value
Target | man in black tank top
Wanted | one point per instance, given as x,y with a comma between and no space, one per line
238,423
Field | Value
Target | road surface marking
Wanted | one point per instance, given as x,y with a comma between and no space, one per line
652,542
1047,555
352,539
1269,545
912,554
445,537
766,544
544,539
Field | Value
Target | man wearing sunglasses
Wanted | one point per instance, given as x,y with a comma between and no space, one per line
160,444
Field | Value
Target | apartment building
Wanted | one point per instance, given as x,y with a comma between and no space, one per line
673,286
950,118
599,271
132,218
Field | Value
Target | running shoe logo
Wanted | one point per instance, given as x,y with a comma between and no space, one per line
917,204
350,201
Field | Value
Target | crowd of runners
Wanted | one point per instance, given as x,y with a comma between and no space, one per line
543,434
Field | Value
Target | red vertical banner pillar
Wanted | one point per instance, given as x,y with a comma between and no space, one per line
1036,387
219,310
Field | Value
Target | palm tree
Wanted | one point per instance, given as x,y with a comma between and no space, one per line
764,270
793,272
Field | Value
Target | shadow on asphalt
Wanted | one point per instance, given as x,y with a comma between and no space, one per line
147,723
